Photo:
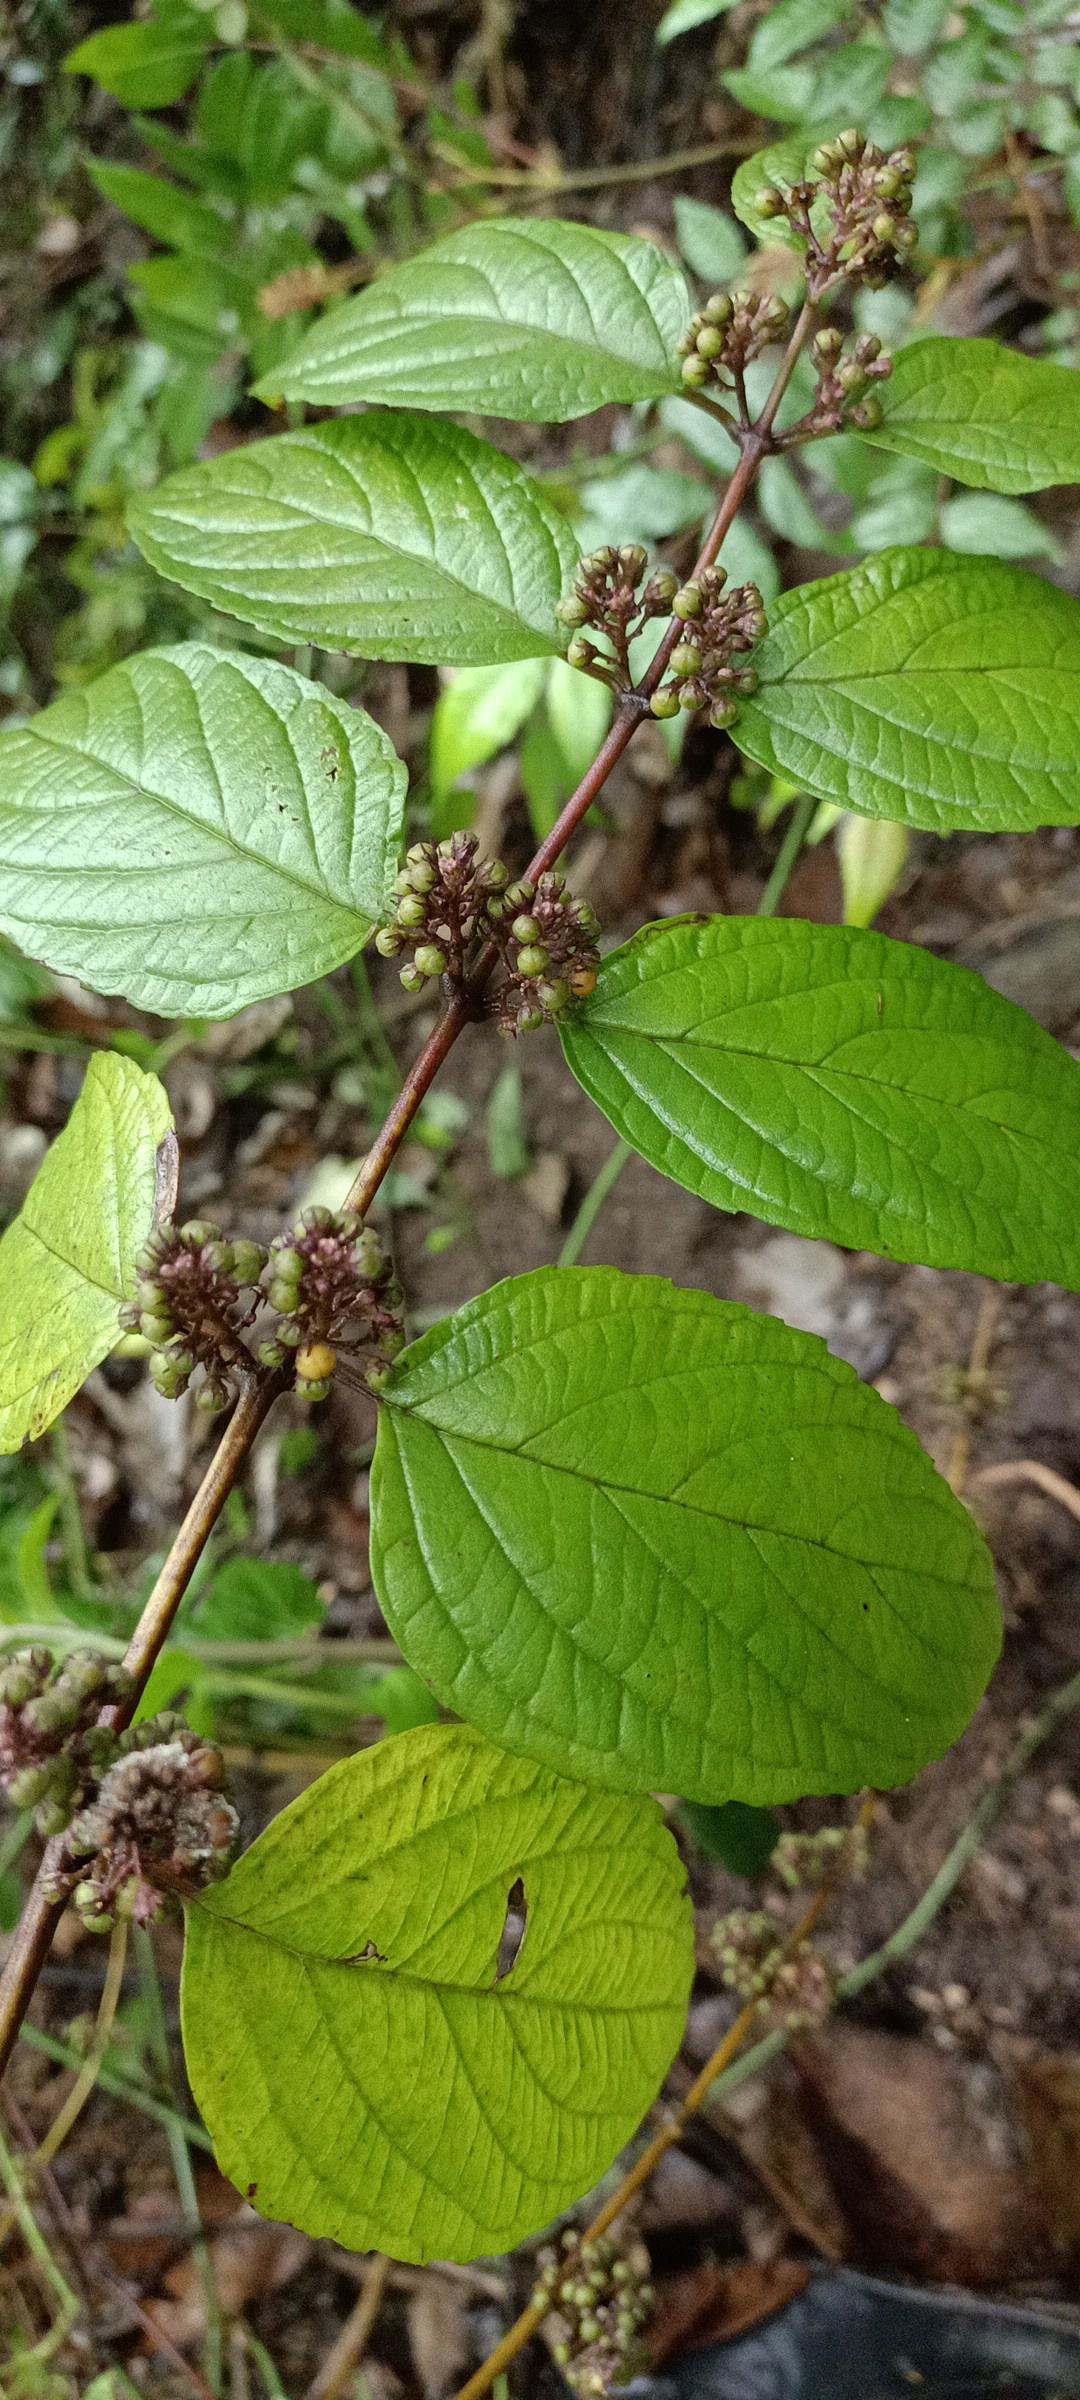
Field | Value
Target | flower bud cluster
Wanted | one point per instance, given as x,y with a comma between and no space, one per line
157,1829
844,395
599,2300
547,947
334,1289
195,1294
614,595
51,1746
867,194
791,1988
835,1854
443,893
545,939
731,329
717,632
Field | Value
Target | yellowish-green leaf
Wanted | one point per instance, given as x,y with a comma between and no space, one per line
368,2067
68,1260
987,415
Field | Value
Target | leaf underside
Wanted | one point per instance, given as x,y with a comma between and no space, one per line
386,536
664,1543
536,321
842,1085
197,830
363,2069
69,1258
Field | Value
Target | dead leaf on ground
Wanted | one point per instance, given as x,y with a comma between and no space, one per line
909,2165
1047,2092
714,2304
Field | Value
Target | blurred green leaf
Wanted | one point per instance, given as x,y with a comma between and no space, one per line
709,239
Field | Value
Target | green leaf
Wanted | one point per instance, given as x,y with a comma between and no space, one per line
478,714
160,207
387,536
939,690
791,26
873,853
521,318
782,165
986,415
148,64
683,15
784,94
742,1838
841,1084
364,2068
197,830
710,243
257,1600
989,525
673,1545
912,26
68,1260
579,712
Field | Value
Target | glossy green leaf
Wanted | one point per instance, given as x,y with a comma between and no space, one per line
987,524
524,318
842,1084
665,1543
363,2065
197,830
147,64
940,690
68,1260
986,415
782,164
387,536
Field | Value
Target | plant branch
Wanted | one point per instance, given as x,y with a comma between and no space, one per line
30,1944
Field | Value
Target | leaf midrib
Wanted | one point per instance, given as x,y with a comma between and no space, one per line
186,817
500,1991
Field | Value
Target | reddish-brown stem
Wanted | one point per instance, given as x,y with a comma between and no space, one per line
30,1943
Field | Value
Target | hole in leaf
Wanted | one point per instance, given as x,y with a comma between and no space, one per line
513,1932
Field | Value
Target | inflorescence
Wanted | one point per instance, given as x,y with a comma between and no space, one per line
146,1806
197,1295
853,212
705,669
451,902
793,1988
599,2300
615,596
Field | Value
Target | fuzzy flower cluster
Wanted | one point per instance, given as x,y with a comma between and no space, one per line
157,1830
793,1989
51,1746
195,1296
146,1807
599,2300
867,234
452,901
334,1289
731,329
614,595
835,1854
705,669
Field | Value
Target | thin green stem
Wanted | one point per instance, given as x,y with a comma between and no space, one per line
600,1189
122,2087
76,1554
40,2252
798,826
158,2039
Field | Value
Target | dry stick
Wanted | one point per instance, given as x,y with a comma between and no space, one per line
1031,1470
671,2133
352,2341
30,1944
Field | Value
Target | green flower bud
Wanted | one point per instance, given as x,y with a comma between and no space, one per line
30,1786
718,309
686,659
430,960
423,877
665,702
884,227
695,371
402,881
579,653
572,610
271,1354
722,714
768,202
412,979
519,895
532,959
496,875
154,1325
687,601
529,1020
312,1389
710,342
249,1259
828,344
554,996
748,679
411,911
51,1817
199,1230
662,586
690,695
388,941
210,1399
525,929
633,558
282,1295
906,236
868,415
